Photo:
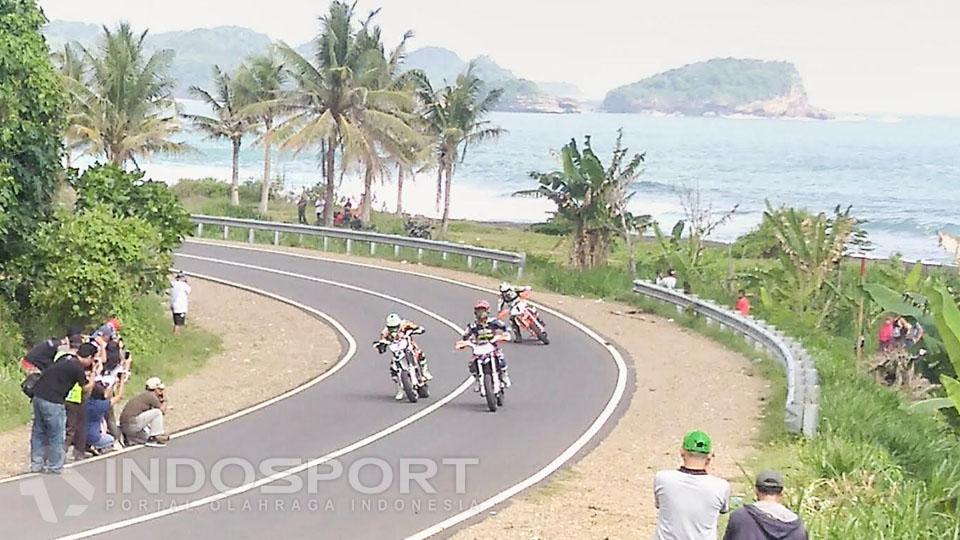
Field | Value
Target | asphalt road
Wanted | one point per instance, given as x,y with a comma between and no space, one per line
392,469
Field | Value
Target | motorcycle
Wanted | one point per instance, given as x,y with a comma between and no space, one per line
406,366
416,229
524,317
485,358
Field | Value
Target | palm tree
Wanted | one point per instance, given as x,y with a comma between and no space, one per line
227,122
261,82
455,116
127,108
333,105
72,69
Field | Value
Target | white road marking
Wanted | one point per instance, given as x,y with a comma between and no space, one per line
310,464
550,468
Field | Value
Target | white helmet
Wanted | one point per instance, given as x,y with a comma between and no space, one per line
393,321
504,287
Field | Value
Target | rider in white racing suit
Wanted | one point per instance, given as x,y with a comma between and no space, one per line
483,329
396,326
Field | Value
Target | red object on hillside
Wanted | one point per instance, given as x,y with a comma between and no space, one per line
743,306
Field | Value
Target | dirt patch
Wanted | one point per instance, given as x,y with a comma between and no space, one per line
683,381
240,374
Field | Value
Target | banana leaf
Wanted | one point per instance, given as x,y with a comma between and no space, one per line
914,277
953,390
946,317
928,406
890,300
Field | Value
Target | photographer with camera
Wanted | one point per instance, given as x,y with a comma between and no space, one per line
141,421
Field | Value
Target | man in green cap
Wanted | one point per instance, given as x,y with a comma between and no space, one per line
689,499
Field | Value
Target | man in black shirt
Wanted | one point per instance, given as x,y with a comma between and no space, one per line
41,355
49,414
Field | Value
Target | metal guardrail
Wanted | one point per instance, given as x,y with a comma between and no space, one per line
803,381
472,253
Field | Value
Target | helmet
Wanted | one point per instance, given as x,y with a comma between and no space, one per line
393,321
482,305
116,324
504,287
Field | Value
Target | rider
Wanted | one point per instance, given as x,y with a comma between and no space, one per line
395,327
483,329
509,296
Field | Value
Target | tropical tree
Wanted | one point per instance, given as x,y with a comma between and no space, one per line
260,82
455,119
333,105
70,64
124,105
593,199
227,121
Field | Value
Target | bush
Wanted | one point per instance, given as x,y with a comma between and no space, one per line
90,266
204,187
127,194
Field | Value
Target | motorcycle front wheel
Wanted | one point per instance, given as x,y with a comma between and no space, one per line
491,397
408,388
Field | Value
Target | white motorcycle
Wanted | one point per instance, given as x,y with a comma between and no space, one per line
406,367
485,358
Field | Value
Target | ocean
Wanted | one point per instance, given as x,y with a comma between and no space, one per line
900,175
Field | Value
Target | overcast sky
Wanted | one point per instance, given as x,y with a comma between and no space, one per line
871,56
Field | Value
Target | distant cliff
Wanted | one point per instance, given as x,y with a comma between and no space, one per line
722,86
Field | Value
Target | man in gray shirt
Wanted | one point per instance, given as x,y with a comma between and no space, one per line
689,499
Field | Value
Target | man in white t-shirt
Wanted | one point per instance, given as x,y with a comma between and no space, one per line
690,500
669,281
179,300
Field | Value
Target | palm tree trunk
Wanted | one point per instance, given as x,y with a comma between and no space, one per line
329,189
235,175
265,188
367,194
446,202
440,167
399,188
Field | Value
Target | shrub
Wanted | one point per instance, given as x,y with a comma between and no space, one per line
204,187
127,194
91,265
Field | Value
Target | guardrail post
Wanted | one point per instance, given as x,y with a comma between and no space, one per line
199,230
326,243
349,245
249,236
470,262
443,255
373,248
523,262
419,253
494,265
396,251
226,232
300,239
276,238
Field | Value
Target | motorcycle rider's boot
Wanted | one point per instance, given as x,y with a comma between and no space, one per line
400,393
425,370
505,378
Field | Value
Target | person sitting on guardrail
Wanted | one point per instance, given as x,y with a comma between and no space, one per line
141,421
690,500
743,304
669,281
768,518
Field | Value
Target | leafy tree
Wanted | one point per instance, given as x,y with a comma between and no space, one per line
92,264
124,105
593,199
31,124
127,194
332,104
455,120
228,121
260,83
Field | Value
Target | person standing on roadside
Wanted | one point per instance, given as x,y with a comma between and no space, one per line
179,300
743,304
49,415
768,518
302,209
318,205
690,500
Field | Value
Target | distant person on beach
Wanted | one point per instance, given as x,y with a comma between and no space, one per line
768,518
690,500
179,301
302,209
743,304
885,336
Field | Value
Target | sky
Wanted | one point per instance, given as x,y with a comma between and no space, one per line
894,57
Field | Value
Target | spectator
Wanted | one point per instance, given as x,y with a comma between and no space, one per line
142,418
110,330
319,205
49,414
690,500
766,519
885,336
179,300
96,409
41,355
670,281
914,334
302,209
743,304
115,371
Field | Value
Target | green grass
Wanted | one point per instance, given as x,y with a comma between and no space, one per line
155,352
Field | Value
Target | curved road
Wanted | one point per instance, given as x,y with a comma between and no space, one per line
342,459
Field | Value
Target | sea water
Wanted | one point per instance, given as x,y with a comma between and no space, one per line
900,175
